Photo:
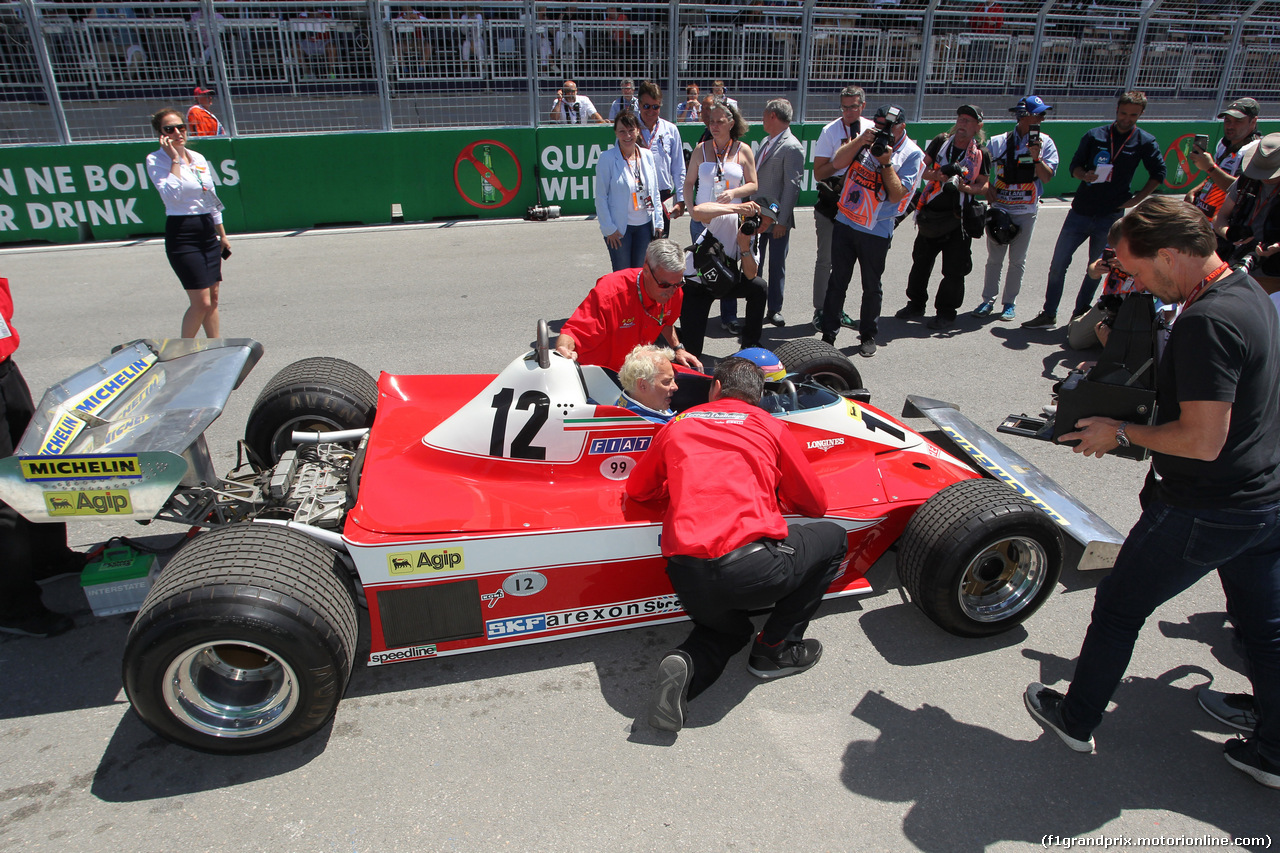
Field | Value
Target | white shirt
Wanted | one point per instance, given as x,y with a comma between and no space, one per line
833,136
569,115
192,192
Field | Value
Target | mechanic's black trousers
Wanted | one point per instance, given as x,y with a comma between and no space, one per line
697,305
719,599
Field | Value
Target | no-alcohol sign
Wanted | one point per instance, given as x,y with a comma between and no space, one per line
1181,173
487,174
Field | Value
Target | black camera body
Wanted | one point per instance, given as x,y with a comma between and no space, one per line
951,169
751,224
883,140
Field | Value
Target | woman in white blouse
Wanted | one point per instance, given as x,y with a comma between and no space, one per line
194,239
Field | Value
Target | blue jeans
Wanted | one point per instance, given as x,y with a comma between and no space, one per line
630,254
1168,550
1075,230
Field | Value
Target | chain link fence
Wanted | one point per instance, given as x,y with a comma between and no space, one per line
72,72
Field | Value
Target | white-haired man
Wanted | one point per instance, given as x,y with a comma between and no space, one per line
648,383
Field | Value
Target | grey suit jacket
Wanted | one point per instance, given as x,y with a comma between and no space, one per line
780,174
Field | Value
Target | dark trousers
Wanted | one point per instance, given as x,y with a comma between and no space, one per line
851,246
697,306
720,599
23,545
957,262
777,266
1168,550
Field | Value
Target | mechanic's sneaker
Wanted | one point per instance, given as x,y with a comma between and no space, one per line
1043,320
670,698
1243,755
939,324
847,321
43,623
733,327
1233,709
985,309
70,565
908,311
817,319
1009,312
1045,706
789,657
776,319
828,338
867,347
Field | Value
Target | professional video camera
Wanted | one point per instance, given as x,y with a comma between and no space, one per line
541,213
883,139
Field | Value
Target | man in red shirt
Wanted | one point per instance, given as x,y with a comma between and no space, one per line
723,467
200,120
628,308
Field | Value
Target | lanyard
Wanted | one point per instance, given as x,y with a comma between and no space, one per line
1111,142
662,311
1205,284
720,158
635,170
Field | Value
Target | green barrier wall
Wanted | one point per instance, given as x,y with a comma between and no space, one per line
68,193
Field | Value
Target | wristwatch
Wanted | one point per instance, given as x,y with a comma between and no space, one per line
678,347
1122,440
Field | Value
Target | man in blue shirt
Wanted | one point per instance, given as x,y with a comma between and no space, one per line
663,139
1105,163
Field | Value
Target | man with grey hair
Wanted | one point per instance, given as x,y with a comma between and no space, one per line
628,100
648,383
630,307
779,171
847,127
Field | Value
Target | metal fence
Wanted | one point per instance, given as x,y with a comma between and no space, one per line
94,71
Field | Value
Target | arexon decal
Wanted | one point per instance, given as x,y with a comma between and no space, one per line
667,605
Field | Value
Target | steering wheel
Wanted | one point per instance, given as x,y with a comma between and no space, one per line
790,388
543,347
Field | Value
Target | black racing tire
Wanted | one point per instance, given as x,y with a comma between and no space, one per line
819,361
978,558
316,395
245,643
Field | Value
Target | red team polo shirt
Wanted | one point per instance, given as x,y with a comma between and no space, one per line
8,334
723,466
612,320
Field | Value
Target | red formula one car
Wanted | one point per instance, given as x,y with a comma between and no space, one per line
474,512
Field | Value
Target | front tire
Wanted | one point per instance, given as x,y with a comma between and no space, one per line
979,559
245,643
819,361
314,395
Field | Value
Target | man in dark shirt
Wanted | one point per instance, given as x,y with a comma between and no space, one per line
1216,503
723,467
1105,163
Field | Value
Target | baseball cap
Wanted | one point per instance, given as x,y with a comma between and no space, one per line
883,112
969,110
768,207
1030,105
1242,108
1263,163
201,90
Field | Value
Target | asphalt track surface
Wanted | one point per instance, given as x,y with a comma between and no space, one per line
903,737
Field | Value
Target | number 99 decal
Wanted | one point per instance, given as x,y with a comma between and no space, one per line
617,467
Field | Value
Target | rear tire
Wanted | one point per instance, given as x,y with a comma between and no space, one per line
979,558
245,643
819,361
315,395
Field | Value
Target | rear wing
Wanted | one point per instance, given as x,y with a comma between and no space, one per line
118,437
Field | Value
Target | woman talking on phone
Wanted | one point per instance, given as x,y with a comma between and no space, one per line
194,239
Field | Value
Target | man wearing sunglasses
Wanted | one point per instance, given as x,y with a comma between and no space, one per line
628,308
661,137
572,108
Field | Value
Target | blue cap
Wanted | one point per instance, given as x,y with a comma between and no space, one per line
1030,105
768,363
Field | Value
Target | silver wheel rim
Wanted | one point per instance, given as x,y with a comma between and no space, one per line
1002,579
230,689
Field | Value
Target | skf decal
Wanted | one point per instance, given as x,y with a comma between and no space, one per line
825,444
667,605
99,502
1003,475
421,562
397,655
68,426
623,444
80,468
518,625
873,423
492,597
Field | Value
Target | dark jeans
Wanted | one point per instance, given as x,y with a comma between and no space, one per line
23,545
1168,550
957,262
719,599
851,246
635,242
1075,230
697,305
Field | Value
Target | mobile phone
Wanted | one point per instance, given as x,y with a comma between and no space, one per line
1201,143
1033,136
226,253
1108,254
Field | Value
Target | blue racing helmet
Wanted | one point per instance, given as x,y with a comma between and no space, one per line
768,363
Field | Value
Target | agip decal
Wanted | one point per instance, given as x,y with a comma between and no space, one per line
425,562
96,502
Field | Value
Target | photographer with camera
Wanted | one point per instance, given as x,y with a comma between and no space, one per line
842,131
1021,161
955,168
1248,222
1239,135
725,264
881,169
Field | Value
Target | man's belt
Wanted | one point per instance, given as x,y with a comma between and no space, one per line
723,560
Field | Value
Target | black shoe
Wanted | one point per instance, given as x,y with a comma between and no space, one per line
1045,706
1233,709
787,658
1043,320
733,327
867,347
776,319
42,623
670,700
70,565
1243,755
940,323
817,319
829,338
908,311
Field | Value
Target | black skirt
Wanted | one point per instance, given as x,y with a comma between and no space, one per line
194,249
